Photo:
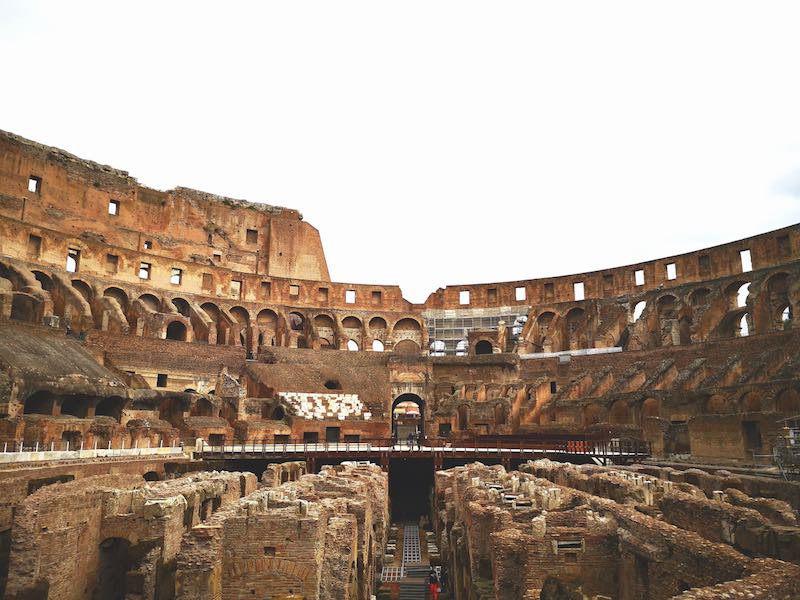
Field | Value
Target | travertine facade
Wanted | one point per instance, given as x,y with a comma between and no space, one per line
132,318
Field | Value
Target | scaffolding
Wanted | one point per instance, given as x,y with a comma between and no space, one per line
786,452
448,329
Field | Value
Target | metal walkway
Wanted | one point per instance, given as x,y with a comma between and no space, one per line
411,550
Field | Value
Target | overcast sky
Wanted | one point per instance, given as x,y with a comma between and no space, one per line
434,142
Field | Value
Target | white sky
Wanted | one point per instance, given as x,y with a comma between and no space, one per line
434,142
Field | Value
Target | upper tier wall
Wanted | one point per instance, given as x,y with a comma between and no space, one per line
766,250
58,191
257,252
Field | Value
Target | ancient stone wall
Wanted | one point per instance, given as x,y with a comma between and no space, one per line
554,530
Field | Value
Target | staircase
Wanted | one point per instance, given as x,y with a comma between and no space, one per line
413,588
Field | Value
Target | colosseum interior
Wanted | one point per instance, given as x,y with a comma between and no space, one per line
190,408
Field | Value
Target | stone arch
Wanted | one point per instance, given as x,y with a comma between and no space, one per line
377,323
751,402
406,347
718,404
410,399
40,403
351,323
619,413
242,318
151,302
297,321
84,289
377,346
462,413
651,407
44,280
267,322
575,322
788,401
110,407
182,306
176,330
544,331
484,347
119,295
500,414
700,297
592,414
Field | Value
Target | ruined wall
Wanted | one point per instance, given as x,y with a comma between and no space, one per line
559,523
111,534
312,537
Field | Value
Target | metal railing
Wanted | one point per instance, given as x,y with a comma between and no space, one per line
611,447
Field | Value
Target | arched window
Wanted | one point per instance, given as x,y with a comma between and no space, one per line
483,347
744,326
176,331
638,310
377,346
437,348
352,346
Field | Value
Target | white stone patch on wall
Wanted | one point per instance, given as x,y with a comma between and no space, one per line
326,406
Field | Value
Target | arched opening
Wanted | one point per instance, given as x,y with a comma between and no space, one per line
718,405
620,413
171,410
544,338
788,401
202,408
638,309
40,403
182,306
437,348
25,307
406,347
218,323
150,302
176,331
115,562
377,323
84,288
44,280
576,320
407,325
278,413
377,346
499,414
700,297
461,348
408,412
77,406
151,476
592,414
743,330
118,295
463,417
333,384
110,407
737,293
751,402
352,345
651,408
267,321
351,323
296,321
483,347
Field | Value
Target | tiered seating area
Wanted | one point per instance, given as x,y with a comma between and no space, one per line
326,406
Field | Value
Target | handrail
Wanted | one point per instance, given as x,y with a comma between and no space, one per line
611,447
